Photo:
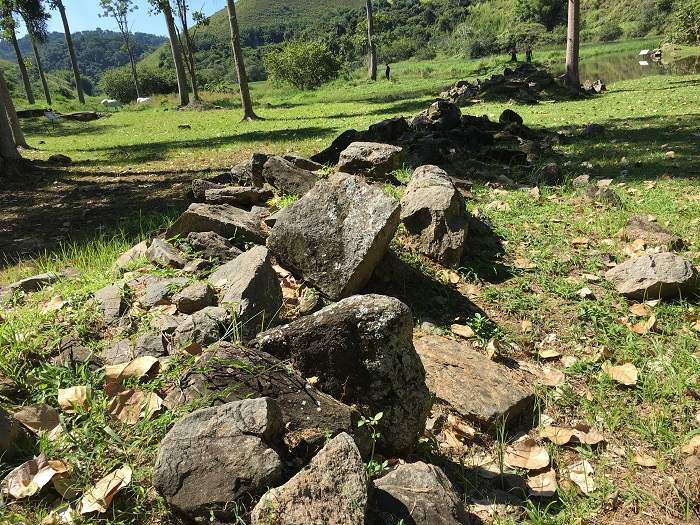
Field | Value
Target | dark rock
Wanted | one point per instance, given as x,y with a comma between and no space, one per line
72,353
160,291
287,177
604,195
582,181
362,352
303,163
12,436
59,158
654,276
34,283
201,186
150,344
510,117
119,352
216,456
201,329
111,301
8,389
442,115
243,196
228,221
370,159
194,297
388,131
640,227
331,489
213,246
336,234
331,154
593,130
165,254
551,174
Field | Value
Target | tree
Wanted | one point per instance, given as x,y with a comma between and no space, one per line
187,40
370,42
248,113
35,17
572,43
183,92
120,10
8,25
9,157
58,4
16,128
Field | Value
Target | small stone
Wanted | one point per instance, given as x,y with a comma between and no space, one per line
132,255
111,301
194,297
163,253
370,159
654,276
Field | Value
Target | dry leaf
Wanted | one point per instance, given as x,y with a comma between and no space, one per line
581,474
452,440
526,454
460,427
585,293
138,368
625,374
645,460
568,361
543,485
551,376
100,496
76,396
578,434
525,326
580,241
534,192
55,304
524,264
644,327
640,310
30,477
693,445
312,380
38,418
548,353
590,278
131,405
463,330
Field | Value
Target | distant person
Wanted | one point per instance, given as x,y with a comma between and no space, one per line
388,72
513,54
528,53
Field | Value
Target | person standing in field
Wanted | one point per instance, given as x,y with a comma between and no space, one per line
388,72
513,54
528,53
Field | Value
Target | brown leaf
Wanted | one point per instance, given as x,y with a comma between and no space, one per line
138,368
578,434
543,485
645,460
550,376
585,293
100,496
640,310
71,398
524,264
30,477
38,418
526,326
55,304
130,405
693,445
463,330
644,327
581,474
460,427
625,374
526,454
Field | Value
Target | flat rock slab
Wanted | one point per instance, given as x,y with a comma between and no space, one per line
336,234
165,254
287,176
211,245
245,196
371,159
226,220
332,489
654,276
471,385
640,227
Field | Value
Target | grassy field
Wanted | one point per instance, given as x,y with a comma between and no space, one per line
550,248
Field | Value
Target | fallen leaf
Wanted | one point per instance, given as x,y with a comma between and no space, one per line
693,445
71,398
131,405
463,330
524,264
581,474
551,376
526,454
100,496
38,418
568,361
644,327
534,192
548,353
452,440
591,278
625,374
640,310
580,241
64,515
526,326
55,304
579,434
312,380
460,427
585,293
543,485
645,460
30,477
115,374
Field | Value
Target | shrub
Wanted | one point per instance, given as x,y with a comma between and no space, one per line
609,31
305,65
685,26
117,82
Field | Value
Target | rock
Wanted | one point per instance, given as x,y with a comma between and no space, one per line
640,227
132,255
201,186
331,154
73,353
228,221
194,297
196,266
331,489
226,372
593,130
160,291
336,234
604,195
201,329
34,283
582,181
435,215
388,131
303,163
551,174
111,301
418,493
164,254
471,385
361,351
244,196
59,158
287,177
250,283
213,246
119,352
510,117
150,344
440,116
8,389
12,436
654,276
371,159
215,456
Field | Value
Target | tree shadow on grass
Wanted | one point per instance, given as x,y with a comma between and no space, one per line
38,128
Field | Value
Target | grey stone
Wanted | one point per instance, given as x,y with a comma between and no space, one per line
654,276
440,116
132,255
216,456
472,386
194,297
72,352
582,181
336,234
119,352
163,253
362,353
213,246
640,227
8,388
150,344
418,493
196,266
371,159
34,283
303,163
250,283
201,329
244,196
604,195
161,291
331,489
287,177
435,215
200,187
111,301
226,220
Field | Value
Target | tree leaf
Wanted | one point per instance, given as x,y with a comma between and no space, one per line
76,396
581,474
625,374
526,454
100,496
543,485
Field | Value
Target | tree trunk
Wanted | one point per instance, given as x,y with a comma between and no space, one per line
9,157
177,55
248,113
71,52
370,42
572,43
132,62
40,67
12,118
188,47
22,68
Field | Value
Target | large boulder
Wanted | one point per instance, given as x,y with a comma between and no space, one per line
226,220
331,489
216,456
250,283
654,276
287,177
336,234
362,353
442,115
420,494
371,159
472,386
226,372
435,215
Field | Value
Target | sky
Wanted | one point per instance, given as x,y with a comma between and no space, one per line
84,15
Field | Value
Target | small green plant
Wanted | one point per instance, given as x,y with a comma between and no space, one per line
374,468
483,327
282,201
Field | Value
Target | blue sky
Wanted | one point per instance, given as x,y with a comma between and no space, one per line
84,15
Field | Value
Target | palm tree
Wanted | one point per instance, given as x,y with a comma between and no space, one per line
370,42
248,113
572,43
58,4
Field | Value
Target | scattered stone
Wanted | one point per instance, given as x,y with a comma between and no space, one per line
604,195
201,329
654,276
435,215
132,255
361,351
582,181
243,196
418,493
228,221
196,266
163,253
150,344
34,283
200,187
160,291
510,117
373,160
287,177
213,246
551,174
303,163
72,352
216,456
442,115
332,488
471,385
111,301
640,227
119,352
59,158
8,388
336,234
194,297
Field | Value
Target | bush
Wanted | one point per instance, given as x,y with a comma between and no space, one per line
685,27
305,65
609,31
117,82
